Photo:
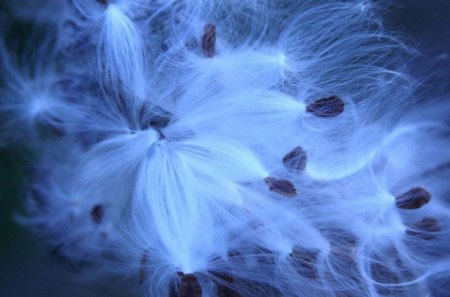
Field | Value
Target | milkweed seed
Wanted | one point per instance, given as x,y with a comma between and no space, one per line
425,229
281,186
413,199
209,40
295,159
326,107
97,213
189,285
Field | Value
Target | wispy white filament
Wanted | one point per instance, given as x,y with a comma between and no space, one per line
234,148
120,52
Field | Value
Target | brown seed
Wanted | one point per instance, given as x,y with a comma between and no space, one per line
143,270
383,274
97,213
223,276
413,199
295,159
304,261
154,116
160,122
326,107
209,40
265,256
425,228
224,290
281,186
189,285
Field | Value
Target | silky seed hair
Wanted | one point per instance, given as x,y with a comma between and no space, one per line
229,148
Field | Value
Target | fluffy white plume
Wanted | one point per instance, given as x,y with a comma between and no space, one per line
234,148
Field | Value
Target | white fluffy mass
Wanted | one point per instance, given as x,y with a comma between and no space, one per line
231,148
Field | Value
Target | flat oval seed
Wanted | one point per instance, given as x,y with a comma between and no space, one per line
326,107
209,40
295,159
281,186
413,199
425,228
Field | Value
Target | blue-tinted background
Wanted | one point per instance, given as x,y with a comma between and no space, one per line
28,269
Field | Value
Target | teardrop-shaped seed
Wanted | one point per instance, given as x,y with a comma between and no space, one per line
295,159
189,286
425,228
413,199
209,40
97,213
326,107
281,186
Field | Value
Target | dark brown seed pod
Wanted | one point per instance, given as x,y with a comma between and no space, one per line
304,261
326,107
413,199
143,270
295,159
97,213
209,40
425,229
189,285
281,186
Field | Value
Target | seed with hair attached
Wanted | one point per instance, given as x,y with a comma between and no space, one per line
304,260
97,213
281,186
143,270
295,159
425,229
413,199
326,107
189,285
223,289
209,40
160,122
